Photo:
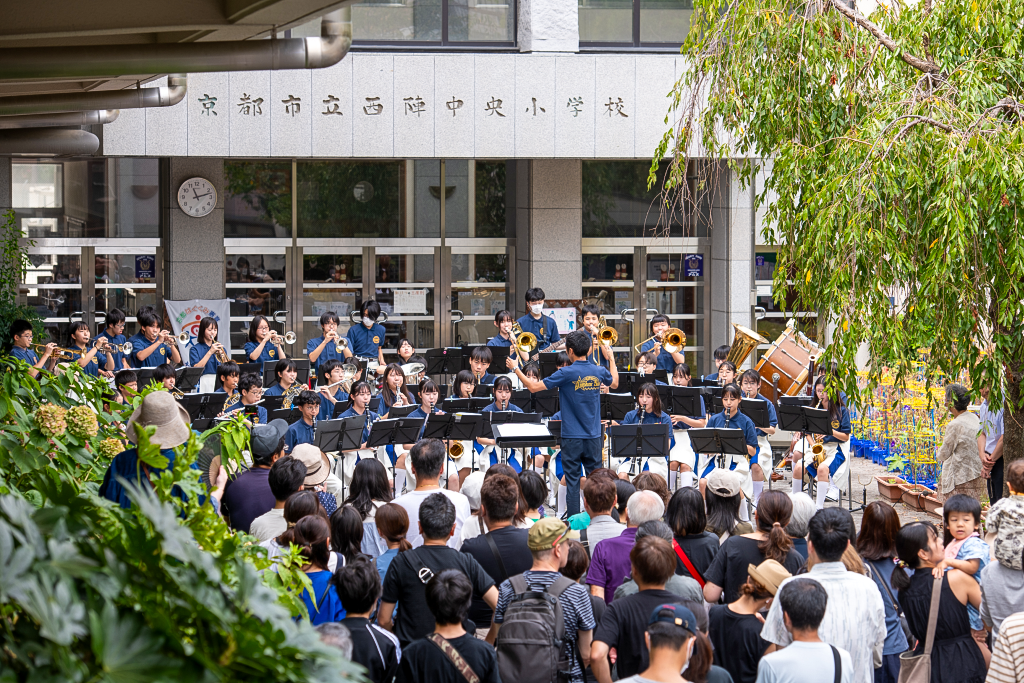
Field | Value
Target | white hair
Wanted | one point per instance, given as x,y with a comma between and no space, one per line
803,509
644,506
333,633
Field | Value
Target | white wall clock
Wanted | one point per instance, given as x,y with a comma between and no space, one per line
197,197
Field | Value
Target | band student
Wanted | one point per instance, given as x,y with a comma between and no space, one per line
90,359
750,382
646,364
479,361
649,413
366,340
579,391
535,322
463,387
228,374
405,351
835,445
682,461
502,403
251,389
665,361
113,332
302,430
360,397
721,353
726,373
429,393
324,348
731,418
164,374
203,354
263,345
332,390
285,372
592,323
152,346
21,330
126,382
394,393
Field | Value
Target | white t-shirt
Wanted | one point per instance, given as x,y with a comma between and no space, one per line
269,525
412,501
801,662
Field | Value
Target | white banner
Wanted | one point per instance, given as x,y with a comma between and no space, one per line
185,315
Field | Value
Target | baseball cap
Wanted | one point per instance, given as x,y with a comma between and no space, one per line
265,438
769,574
724,483
546,533
674,613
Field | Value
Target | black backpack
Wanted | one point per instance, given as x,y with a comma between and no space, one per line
531,641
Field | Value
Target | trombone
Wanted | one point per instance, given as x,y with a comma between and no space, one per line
672,340
524,342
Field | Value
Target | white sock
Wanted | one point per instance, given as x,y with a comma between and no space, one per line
672,480
562,493
399,482
833,490
798,485
744,512
758,487
822,493
685,479
539,470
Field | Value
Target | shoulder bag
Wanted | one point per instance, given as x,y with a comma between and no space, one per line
918,668
497,558
681,554
911,640
454,657
837,662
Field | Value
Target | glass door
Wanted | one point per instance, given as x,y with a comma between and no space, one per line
404,287
53,287
479,281
675,287
608,283
255,285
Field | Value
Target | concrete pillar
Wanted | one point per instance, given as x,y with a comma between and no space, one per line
732,259
549,26
193,247
549,228
6,191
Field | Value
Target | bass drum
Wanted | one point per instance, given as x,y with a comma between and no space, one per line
786,363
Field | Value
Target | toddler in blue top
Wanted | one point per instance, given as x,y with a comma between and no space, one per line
964,548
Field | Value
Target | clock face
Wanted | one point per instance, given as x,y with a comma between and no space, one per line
197,197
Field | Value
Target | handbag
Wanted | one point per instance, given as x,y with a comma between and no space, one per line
911,639
918,668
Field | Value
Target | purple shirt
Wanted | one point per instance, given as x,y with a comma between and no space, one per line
610,564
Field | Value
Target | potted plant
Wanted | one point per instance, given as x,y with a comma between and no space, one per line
912,494
889,487
931,504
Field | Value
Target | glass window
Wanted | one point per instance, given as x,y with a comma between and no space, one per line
37,186
605,267
634,23
332,268
422,21
251,268
490,198
351,198
54,269
258,199
406,280
764,265
617,203
478,290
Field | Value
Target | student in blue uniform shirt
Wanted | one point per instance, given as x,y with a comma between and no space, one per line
152,346
228,374
332,371
592,323
394,392
682,461
502,403
405,351
113,332
731,418
261,347
535,322
649,413
164,375
750,382
322,604
360,397
285,374
324,348
302,430
727,373
579,392
721,353
251,390
836,446
503,321
21,331
429,394
93,361
665,361
203,354
646,363
366,339
479,360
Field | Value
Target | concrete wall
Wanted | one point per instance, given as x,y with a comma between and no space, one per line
193,247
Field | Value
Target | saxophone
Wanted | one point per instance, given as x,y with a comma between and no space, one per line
818,452
290,394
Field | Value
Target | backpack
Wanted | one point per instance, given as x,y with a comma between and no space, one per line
531,641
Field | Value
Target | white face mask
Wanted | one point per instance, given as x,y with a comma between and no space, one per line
367,322
536,309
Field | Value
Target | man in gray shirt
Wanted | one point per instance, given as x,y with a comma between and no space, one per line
598,500
1002,594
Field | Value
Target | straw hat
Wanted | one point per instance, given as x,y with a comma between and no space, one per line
769,574
160,410
318,466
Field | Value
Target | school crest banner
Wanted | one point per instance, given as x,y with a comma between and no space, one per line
186,315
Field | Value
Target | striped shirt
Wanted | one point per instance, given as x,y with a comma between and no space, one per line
1008,653
854,618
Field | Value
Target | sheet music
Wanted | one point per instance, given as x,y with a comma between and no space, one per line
522,430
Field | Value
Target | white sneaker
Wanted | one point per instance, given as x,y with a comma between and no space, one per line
833,493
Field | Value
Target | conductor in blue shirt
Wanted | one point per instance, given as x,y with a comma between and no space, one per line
536,323
366,340
579,392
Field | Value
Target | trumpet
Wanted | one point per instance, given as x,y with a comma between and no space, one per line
184,337
672,340
340,344
288,338
59,353
123,348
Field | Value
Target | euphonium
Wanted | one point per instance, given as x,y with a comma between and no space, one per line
456,449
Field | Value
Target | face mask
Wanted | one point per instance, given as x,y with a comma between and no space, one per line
367,322
536,309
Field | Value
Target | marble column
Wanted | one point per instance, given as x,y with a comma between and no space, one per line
193,247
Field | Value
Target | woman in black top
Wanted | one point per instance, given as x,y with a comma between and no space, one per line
769,541
687,518
956,657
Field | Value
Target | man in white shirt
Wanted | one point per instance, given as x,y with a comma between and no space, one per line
806,659
286,477
599,500
990,447
855,618
425,459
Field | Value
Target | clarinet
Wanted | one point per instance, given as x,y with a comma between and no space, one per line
727,418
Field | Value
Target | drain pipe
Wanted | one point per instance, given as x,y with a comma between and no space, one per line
109,61
47,141
140,98
76,118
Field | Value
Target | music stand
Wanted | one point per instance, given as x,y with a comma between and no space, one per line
548,363
291,416
443,361
273,402
757,411
546,402
483,391
339,435
203,406
401,411
187,379
464,405
394,431
270,377
254,368
615,406
512,435
639,441
202,425
455,427
719,441
799,418
144,377
796,400
374,404
498,356
497,417
685,401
